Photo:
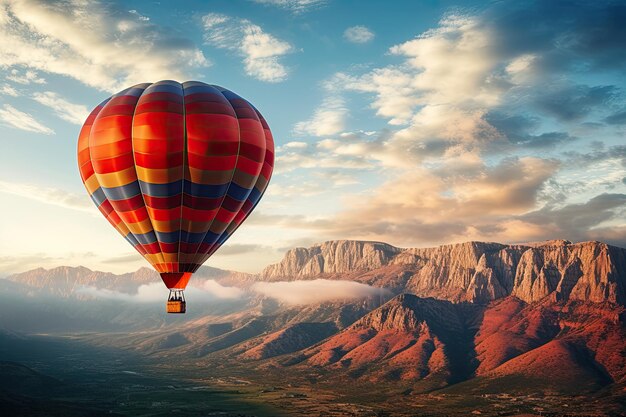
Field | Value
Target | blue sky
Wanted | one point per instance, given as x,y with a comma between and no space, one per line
412,122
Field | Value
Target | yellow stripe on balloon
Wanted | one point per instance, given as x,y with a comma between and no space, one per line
154,258
140,228
92,184
117,179
166,226
159,176
170,257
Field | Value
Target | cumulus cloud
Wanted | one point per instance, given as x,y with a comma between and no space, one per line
48,195
7,90
316,291
337,178
438,205
25,77
261,52
13,117
298,189
328,119
290,157
96,43
358,34
437,97
70,112
295,6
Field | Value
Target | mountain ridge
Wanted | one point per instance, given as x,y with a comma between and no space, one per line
549,316
470,271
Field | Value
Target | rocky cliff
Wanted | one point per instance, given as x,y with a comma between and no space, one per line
471,271
332,257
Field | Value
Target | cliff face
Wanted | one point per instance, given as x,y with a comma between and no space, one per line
472,271
332,257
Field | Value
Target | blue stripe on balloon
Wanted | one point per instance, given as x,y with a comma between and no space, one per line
223,238
255,195
131,239
211,237
123,192
98,197
161,190
145,238
164,88
168,237
238,192
195,89
135,91
204,190
191,237
228,94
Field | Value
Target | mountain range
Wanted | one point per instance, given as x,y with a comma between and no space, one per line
546,317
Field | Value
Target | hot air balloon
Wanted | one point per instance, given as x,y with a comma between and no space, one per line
175,168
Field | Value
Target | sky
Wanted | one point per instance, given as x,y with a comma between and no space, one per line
416,123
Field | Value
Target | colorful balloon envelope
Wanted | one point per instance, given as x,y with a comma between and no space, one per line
176,168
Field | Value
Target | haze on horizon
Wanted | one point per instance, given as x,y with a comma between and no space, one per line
411,123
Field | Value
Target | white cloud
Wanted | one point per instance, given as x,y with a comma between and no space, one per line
70,112
7,90
295,145
95,43
217,290
452,66
298,190
328,119
358,34
316,291
296,6
157,292
21,120
139,15
261,51
318,156
453,63
461,199
337,178
49,195
27,77
146,293
451,76
395,95
293,292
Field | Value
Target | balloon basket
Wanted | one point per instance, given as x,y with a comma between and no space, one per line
176,303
